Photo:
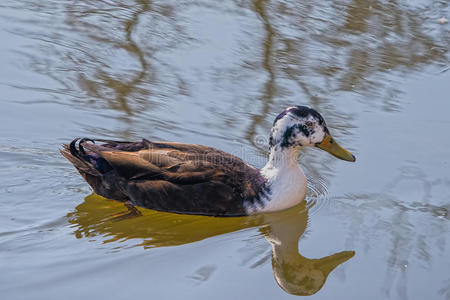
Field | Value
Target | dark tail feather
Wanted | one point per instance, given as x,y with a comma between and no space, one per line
90,165
80,153
78,157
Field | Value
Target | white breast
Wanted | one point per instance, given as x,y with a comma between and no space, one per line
287,189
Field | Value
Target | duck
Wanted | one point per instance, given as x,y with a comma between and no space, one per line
201,180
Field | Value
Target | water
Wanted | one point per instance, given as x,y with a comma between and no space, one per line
217,73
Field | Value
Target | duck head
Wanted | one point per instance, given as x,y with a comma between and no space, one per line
301,126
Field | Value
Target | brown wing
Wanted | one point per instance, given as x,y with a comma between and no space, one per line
179,177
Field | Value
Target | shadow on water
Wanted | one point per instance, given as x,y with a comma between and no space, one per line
294,273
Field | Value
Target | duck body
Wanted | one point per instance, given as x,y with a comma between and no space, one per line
165,176
196,179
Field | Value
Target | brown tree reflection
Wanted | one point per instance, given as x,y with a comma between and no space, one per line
329,48
119,54
123,88
399,218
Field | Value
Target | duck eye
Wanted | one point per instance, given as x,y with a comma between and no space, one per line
309,123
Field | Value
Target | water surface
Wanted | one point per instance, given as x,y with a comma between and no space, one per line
217,73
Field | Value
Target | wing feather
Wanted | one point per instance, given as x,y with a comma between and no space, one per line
176,177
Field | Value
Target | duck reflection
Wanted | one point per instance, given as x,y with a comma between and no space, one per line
293,272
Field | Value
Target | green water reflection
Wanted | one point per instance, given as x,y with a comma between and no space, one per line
294,273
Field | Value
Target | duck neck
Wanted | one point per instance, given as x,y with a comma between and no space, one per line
282,159
286,183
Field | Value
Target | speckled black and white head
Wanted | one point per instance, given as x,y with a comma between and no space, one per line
298,126
285,182
301,126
